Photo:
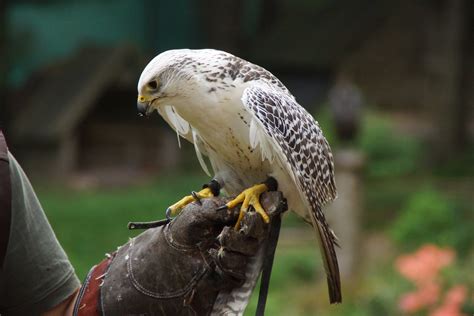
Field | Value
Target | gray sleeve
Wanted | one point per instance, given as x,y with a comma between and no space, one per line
37,274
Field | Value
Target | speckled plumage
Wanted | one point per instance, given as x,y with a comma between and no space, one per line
250,127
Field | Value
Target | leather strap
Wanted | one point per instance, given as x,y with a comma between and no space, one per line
270,249
272,242
5,199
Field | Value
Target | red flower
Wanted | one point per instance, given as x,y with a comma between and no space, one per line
422,268
453,301
456,295
423,265
426,295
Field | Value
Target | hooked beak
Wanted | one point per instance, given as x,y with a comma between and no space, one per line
143,106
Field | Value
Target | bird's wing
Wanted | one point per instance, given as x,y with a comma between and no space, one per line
297,141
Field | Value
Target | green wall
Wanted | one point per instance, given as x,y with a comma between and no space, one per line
40,33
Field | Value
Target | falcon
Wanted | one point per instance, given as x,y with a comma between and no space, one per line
252,130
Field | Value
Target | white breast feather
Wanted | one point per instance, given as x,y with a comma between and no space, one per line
199,147
180,125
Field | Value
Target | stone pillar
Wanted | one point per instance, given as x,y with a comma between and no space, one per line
344,214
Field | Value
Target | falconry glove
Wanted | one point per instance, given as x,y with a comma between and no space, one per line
180,268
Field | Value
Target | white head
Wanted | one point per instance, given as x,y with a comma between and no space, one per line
163,80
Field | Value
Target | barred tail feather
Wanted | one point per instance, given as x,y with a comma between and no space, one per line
327,241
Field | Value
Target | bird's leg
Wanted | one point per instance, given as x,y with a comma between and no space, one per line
251,198
208,190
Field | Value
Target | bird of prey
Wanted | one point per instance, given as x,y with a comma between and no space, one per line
251,128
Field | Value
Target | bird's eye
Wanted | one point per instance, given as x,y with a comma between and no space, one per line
152,85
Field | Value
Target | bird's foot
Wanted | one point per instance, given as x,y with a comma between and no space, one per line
251,198
209,190
195,196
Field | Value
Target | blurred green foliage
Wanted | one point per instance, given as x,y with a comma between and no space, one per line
430,216
461,165
389,153
293,267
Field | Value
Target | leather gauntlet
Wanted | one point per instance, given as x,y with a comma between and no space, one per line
178,269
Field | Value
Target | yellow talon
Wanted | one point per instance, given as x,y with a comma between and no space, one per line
259,209
250,197
205,193
178,206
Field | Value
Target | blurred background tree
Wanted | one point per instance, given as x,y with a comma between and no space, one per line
404,72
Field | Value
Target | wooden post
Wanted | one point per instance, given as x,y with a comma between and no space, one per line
445,66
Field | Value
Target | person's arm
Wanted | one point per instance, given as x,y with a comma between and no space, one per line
65,308
37,276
